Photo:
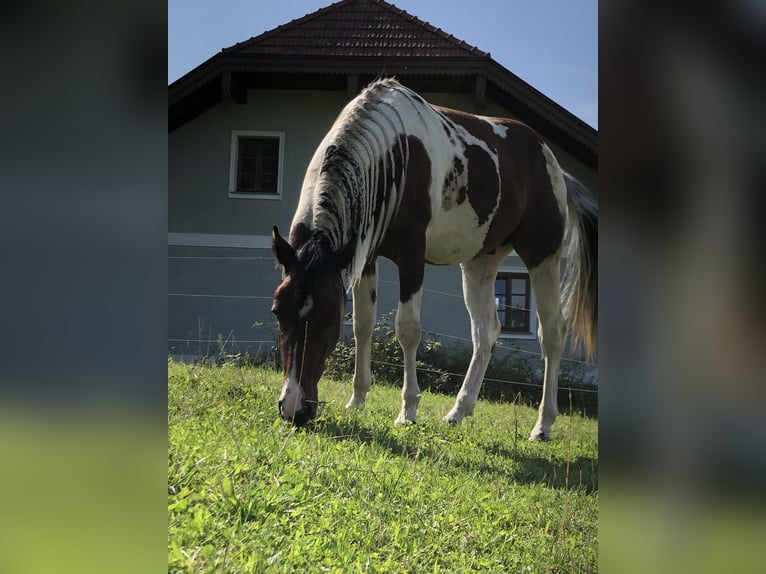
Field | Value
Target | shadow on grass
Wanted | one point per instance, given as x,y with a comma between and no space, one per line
355,430
581,473
527,464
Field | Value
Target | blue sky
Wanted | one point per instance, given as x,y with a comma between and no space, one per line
550,44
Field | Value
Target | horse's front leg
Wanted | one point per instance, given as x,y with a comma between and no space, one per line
408,334
364,317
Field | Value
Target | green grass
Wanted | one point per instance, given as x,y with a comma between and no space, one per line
353,493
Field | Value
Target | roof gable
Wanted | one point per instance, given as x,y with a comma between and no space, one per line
357,28
352,42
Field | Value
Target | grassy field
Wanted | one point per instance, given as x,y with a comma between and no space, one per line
353,493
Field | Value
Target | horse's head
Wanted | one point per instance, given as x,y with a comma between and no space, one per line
309,306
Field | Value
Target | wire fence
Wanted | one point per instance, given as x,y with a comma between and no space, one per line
271,259
230,340
461,375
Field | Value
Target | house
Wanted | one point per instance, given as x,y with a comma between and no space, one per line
243,126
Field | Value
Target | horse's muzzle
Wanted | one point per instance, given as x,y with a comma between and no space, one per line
300,417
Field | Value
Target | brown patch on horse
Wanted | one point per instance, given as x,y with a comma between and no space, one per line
516,157
405,239
483,184
475,125
485,179
368,270
528,215
455,185
285,309
540,231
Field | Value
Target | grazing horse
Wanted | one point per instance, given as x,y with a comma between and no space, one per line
415,183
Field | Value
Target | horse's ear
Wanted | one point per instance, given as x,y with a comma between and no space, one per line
283,251
343,256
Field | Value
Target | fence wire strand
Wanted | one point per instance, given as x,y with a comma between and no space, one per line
427,370
385,281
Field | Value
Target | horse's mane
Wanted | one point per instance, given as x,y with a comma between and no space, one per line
357,167
315,252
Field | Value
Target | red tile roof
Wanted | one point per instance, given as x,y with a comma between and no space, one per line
357,28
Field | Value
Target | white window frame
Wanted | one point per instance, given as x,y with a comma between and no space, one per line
234,154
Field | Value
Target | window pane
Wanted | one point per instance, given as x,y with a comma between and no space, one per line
248,166
519,320
270,150
246,182
519,301
248,148
512,299
268,183
501,284
349,312
500,302
258,165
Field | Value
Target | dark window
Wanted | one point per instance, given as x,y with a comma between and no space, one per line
349,310
257,165
513,302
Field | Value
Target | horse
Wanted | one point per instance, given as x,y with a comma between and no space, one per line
418,183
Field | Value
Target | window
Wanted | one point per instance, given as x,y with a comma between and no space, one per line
256,164
348,312
512,298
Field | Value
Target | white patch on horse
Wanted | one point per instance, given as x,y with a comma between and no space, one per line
557,179
454,234
308,305
291,399
499,129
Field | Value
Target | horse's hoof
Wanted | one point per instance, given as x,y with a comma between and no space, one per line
540,435
352,406
454,417
402,420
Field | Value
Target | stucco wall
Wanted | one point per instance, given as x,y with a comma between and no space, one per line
199,155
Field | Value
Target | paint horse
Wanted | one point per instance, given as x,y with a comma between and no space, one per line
415,183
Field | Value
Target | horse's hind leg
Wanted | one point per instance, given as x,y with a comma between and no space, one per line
364,315
479,295
551,331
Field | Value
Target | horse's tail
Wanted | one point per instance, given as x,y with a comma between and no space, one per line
580,287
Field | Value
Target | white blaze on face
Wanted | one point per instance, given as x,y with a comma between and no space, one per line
291,399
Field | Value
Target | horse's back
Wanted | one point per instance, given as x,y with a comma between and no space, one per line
497,186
